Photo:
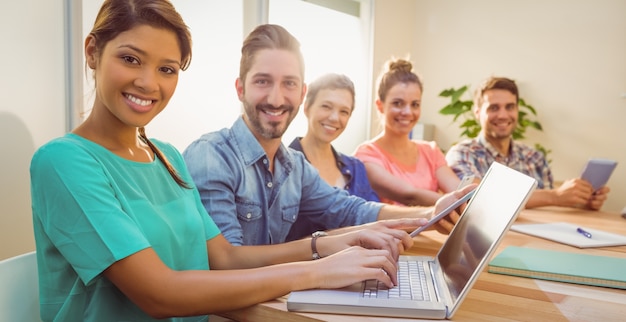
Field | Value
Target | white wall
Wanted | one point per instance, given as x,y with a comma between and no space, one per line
568,57
32,107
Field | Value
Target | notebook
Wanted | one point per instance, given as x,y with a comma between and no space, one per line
449,276
568,234
561,266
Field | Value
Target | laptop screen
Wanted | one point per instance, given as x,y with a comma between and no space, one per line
487,216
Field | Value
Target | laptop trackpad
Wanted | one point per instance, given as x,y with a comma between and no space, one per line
348,295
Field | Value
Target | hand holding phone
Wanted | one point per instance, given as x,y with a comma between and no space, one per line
444,212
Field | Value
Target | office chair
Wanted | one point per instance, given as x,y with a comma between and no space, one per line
19,288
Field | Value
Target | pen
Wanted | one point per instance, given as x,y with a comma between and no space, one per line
583,232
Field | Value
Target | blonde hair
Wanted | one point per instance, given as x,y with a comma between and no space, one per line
329,81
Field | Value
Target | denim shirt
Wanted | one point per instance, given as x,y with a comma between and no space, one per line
357,184
253,206
352,169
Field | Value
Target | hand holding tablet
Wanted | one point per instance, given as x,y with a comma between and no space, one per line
598,171
468,179
444,212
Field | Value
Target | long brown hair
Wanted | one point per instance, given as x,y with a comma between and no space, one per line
161,156
117,16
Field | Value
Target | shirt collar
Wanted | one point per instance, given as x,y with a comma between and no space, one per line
338,157
250,148
490,148
297,145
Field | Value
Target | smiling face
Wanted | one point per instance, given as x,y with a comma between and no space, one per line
136,74
329,114
401,108
498,114
272,93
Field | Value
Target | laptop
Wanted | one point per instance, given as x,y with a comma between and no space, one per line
447,278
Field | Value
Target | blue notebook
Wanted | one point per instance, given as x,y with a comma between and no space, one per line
561,266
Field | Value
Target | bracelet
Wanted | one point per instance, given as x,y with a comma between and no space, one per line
314,238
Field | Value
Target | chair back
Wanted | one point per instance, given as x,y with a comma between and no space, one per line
19,288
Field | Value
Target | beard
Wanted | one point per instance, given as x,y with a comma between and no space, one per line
496,132
271,129
500,135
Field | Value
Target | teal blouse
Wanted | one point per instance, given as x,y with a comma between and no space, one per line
92,208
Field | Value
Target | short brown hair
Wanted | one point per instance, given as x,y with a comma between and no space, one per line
495,83
267,36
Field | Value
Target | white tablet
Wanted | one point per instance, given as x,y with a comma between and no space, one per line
444,212
465,181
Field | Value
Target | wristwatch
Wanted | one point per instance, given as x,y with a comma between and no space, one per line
314,238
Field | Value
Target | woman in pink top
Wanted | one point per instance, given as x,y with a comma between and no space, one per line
401,170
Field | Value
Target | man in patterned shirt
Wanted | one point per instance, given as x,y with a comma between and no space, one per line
496,109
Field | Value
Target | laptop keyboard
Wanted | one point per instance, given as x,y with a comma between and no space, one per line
411,284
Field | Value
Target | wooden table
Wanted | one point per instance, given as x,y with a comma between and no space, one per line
497,297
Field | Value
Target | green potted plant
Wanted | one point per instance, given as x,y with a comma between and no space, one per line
462,108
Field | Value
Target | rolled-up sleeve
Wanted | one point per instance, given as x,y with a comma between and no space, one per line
215,179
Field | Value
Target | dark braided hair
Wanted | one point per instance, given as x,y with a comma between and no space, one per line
161,156
118,16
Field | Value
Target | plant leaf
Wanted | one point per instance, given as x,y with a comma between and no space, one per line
458,93
452,109
447,92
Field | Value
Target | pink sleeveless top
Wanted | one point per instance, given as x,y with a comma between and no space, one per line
420,174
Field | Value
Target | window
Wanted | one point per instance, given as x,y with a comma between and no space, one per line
335,37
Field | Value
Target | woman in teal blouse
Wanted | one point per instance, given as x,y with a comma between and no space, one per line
121,234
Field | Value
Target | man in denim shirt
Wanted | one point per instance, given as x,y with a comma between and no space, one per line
250,183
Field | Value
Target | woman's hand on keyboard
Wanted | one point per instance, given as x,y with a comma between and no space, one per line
356,264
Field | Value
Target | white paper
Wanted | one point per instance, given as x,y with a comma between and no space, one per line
566,233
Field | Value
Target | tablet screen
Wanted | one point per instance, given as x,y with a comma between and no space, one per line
444,212
598,171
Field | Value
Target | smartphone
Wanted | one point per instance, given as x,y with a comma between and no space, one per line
465,181
598,171
444,212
